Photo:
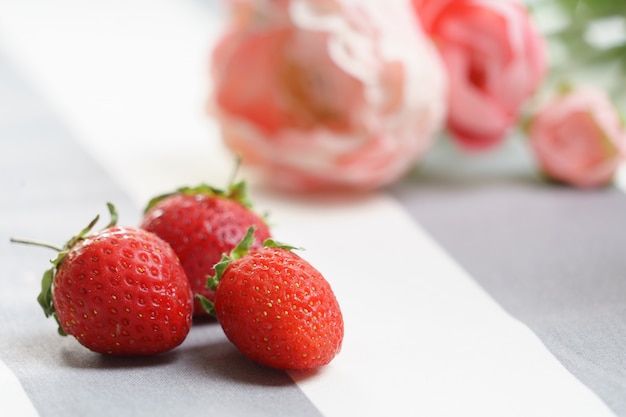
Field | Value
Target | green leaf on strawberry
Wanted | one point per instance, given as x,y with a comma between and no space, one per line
237,192
242,248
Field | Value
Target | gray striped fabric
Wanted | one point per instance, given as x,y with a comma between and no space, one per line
552,256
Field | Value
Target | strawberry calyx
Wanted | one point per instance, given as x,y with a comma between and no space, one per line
241,249
235,191
44,298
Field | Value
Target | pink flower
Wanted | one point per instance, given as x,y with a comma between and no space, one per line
578,138
495,60
320,94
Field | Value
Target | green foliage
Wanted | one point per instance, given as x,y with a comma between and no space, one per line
586,41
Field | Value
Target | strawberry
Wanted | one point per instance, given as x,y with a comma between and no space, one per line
275,307
120,291
201,224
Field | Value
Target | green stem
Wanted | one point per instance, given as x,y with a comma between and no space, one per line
36,243
233,175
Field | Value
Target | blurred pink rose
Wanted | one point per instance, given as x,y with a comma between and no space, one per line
578,138
320,94
495,60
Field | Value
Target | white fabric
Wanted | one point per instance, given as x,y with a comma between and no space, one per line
12,395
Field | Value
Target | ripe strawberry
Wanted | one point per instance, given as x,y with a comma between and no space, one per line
120,291
275,307
201,224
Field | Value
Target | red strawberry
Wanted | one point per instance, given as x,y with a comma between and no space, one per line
120,291
275,307
201,224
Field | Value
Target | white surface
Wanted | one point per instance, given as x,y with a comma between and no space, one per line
129,78
12,395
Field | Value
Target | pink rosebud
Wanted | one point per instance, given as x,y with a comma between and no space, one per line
578,138
320,94
495,61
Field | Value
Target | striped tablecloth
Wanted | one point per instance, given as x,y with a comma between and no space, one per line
486,294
